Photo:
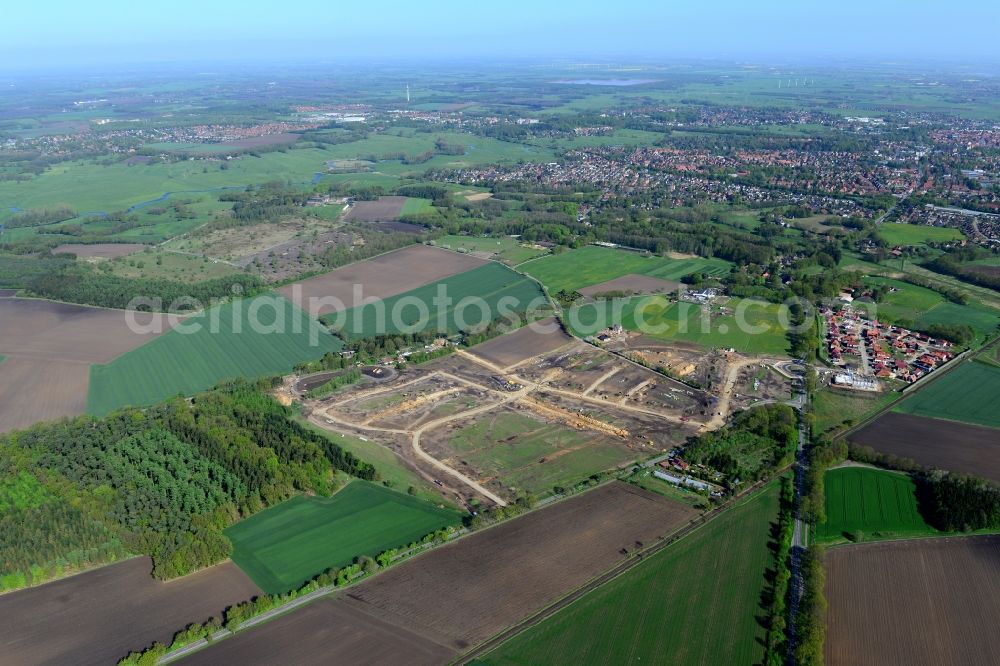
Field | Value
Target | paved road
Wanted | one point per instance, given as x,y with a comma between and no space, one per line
800,531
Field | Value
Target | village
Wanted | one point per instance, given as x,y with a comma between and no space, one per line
869,350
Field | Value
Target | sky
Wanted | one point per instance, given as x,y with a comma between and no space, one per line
73,33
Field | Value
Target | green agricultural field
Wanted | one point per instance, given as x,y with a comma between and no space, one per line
917,234
220,344
506,249
499,289
511,447
868,504
590,265
695,602
284,546
657,317
831,407
917,306
416,206
970,394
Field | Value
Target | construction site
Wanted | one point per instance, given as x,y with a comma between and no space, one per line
488,428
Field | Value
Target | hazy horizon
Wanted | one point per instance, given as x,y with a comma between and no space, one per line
64,35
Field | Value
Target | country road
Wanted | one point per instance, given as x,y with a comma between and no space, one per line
800,531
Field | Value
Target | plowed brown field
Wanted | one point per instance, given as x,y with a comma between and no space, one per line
959,447
99,616
381,277
463,593
445,601
49,348
933,601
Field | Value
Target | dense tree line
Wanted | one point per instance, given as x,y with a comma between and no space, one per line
810,621
269,201
347,378
776,599
423,191
953,295
79,284
948,501
37,217
18,271
961,334
163,481
955,263
958,503
822,455
375,244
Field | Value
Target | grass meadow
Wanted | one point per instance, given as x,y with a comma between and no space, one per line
917,234
831,407
510,447
921,307
506,249
591,265
687,322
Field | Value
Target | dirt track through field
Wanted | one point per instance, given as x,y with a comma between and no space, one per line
384,276
929,601
99,616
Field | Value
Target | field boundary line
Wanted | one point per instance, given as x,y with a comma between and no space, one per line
618,570
331,590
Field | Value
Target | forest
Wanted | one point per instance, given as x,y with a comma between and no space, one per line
163,482
81,284
756,441
958,503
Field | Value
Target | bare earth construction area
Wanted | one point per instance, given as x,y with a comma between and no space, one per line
99,616
914,602
485,431
459,595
